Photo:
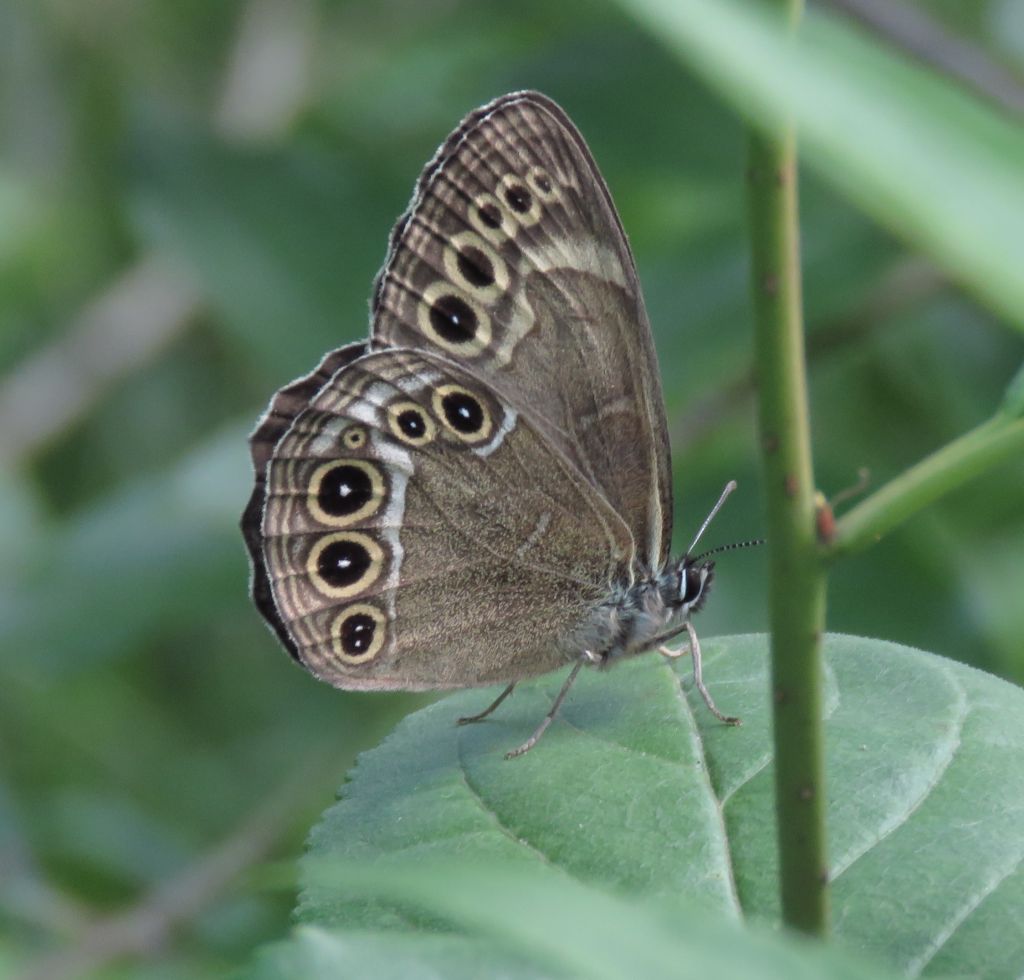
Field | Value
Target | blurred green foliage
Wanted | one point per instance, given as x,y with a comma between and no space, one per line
254,153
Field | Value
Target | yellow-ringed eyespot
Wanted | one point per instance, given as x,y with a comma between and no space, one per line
543,185
476,267
345,491
462,413
520,200
491,218
354,437
358,633
453,321
344,563
410,423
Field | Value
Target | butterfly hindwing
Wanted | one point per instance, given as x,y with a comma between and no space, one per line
285,406
417,529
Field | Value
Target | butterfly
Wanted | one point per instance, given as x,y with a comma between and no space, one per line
481,491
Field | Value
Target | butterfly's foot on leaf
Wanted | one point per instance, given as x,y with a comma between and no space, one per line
585,658
698,677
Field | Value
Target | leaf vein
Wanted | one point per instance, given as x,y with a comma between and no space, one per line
490,812
888,827
698,748
917,966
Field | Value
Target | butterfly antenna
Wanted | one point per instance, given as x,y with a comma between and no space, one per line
729,547
729,487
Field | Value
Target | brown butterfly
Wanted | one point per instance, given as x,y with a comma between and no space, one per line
481,492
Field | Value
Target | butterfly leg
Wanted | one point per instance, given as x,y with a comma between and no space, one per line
550,716
669,654
470,719
698,674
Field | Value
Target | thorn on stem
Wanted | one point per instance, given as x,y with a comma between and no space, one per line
824,519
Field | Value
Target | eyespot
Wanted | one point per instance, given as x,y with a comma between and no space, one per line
453,321
453,318
543,185
520,200
410,423
358,633
475,266
462,413
345,491
344,563
354,437
491,218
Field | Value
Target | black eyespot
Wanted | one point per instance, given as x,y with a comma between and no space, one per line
343,563
475,267
519,198
354,438
357,632
463,412
453,319
541,180
412,423
344,490
490,215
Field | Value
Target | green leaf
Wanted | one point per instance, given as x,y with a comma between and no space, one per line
921,157
316,953
636,789
1013,398
525,921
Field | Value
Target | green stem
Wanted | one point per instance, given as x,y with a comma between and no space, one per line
992,442
797,574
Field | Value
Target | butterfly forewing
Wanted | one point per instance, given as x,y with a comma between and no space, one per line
511,260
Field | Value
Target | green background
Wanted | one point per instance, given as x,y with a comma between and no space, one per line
219,181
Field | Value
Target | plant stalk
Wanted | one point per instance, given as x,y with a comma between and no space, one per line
797,587
989,444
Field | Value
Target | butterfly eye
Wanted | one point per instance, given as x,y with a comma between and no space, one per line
358,633
462,413
345,491
411,424
344,564
697,578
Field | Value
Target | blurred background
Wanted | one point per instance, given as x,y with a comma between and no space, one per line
194,198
